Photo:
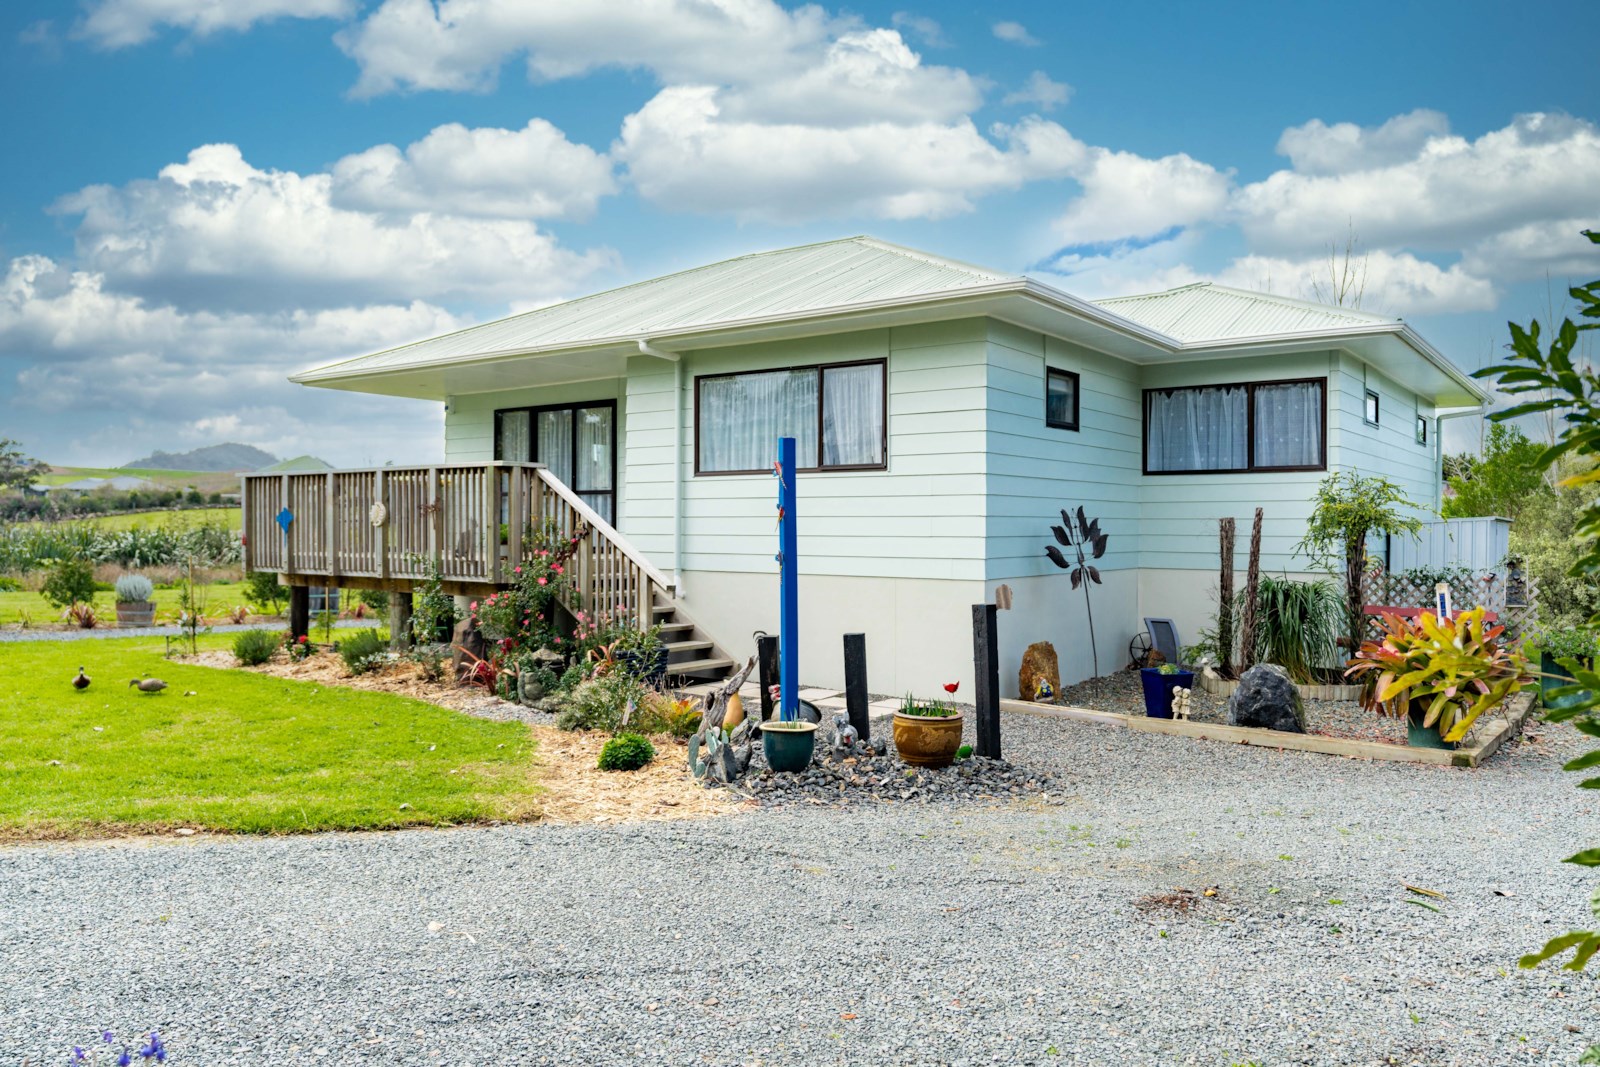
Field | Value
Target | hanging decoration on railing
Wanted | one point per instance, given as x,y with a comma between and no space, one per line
284,518
378,514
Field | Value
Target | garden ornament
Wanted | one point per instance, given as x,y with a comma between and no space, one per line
845,736
1180,702
81,681
378,514
1043,691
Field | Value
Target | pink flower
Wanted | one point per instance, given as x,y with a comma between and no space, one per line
557,569
544,581
518,570
474,605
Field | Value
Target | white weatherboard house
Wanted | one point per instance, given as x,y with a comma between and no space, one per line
945,414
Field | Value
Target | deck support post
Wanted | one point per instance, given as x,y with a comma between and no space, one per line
855,683
986,678
299,611
400,605
767,659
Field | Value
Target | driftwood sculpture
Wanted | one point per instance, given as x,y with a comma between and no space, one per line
715,754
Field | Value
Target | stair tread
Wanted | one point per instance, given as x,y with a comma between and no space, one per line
695,666
687,646
670,627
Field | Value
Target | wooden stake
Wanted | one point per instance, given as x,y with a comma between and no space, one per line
1225,535
1252,589
986,676
855,683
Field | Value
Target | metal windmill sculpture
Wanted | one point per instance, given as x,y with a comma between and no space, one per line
1080,535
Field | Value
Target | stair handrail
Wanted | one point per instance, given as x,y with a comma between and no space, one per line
604,529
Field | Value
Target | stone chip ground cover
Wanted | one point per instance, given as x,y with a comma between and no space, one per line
1009,932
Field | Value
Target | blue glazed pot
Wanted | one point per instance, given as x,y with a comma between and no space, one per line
1158,689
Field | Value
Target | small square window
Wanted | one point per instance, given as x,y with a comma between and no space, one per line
1371,412
1060,399
1422,429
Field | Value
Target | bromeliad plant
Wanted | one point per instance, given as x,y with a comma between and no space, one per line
1451,670
1083,535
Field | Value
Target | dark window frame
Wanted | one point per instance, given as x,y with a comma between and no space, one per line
820,368
1377,407
1420,433
1250,431
1077,398
534,411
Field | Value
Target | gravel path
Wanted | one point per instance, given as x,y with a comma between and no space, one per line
958,933
101,632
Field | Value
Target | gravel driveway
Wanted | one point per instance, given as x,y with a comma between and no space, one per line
874,935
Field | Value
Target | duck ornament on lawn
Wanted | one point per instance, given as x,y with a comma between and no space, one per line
81,681
148,685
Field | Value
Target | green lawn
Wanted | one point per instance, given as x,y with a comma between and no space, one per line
248,753
220,597
187,519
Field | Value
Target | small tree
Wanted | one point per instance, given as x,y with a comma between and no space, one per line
1506,480
17,469
1349,509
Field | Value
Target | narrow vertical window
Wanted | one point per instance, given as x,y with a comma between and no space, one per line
1370,414
1060,399
1422,429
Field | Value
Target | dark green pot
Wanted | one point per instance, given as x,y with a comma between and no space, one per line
1420,736
1548,666
788,750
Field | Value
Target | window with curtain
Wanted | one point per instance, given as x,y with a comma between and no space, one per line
1253,426
834,413
1060,399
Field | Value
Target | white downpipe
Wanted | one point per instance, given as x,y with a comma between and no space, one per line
677,478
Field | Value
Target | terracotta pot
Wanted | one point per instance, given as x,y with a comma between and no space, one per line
137,613
924,741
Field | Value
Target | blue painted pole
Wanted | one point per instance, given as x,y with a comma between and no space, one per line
788,586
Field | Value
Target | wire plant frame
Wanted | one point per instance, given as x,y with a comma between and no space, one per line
1079,534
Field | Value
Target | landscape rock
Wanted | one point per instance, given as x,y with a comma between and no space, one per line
1039,665
1267,698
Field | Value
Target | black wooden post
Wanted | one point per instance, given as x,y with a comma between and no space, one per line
986,676
855,683
299,611
767,661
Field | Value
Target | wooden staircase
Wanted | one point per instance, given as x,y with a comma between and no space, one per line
692,656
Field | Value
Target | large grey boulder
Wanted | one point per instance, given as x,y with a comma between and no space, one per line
1268,699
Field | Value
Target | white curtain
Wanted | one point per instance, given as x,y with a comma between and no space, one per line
742,416
1289,425
555,442
1198,429
594,449
514,437
852,416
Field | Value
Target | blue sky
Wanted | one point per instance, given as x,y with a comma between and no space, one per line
207,194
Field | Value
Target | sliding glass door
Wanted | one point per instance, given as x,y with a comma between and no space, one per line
576,441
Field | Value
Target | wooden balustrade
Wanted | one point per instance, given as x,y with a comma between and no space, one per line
475,523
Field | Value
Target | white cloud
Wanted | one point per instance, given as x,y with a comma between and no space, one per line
924,29
1449,195
1015,33
216,232
120,23
1126,196
682,153
461,44
1317,148
1042,90
534,172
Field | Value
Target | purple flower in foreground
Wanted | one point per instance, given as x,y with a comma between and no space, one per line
154,1048
108,1036
126,1058
77,1054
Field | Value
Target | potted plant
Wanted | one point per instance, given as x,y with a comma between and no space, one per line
1441,674
134,604
1158,683
1556,645
928,733
642,654
788,743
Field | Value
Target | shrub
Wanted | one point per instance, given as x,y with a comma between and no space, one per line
376,599
362,650
255,647
626,752
71,581
599,703
683,718
134,589
261,588
9,585
82,616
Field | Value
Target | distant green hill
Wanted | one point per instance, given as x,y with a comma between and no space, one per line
225,457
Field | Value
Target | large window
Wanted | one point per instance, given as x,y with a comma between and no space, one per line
836,414
576,441
1254,426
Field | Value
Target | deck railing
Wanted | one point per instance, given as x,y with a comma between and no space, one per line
391,527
